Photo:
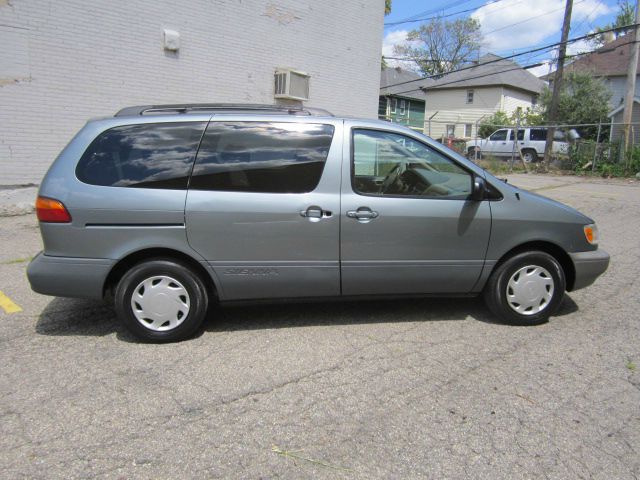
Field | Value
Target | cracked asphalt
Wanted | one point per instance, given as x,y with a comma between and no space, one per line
386,389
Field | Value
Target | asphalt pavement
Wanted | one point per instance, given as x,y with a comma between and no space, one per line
377,389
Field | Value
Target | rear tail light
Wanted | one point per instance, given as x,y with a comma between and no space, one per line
52,211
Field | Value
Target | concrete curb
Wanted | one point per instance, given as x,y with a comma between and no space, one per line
17,201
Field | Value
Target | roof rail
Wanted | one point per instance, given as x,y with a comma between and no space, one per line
219,107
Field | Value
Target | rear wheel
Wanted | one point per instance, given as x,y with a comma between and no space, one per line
526,289
529,155
161,300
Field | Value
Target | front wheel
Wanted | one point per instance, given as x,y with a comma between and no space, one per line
473,153
161,300
526,289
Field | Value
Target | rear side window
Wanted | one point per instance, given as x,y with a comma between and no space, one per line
156,155
265,157
538,134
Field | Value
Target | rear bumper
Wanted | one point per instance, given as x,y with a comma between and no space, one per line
588,266
68,277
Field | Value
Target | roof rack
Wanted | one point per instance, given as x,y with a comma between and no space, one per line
220,107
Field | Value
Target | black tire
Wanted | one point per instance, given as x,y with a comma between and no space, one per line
185,281
471,154
497,289
531,154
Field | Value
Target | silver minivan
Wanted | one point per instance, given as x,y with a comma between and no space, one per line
169,209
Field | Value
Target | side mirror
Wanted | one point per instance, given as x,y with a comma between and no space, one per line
479,189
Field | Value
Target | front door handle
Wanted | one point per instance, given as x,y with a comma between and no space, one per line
362,214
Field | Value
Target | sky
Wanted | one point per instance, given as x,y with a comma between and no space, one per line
508,26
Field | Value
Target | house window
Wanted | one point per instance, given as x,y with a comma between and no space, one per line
451,130
468,128
402,107
469,96
394,103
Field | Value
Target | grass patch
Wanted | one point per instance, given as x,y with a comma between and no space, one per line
16,260
631,366
295,454
500,167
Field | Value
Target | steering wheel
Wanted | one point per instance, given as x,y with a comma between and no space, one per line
392,177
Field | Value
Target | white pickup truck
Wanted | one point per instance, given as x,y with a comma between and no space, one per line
530,140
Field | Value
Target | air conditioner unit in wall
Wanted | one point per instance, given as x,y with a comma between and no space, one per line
291,84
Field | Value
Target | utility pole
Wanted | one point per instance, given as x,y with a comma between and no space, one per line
630,87
557,82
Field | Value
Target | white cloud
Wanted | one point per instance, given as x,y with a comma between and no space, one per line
535,21
392,39
389,41
541,70
581,46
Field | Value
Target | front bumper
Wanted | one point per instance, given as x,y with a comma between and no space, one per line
67,276
588,267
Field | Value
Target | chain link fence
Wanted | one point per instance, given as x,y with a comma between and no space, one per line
581,148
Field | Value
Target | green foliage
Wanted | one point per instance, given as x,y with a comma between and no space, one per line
387,7
493,123
608,163
529,118
583,99
439,46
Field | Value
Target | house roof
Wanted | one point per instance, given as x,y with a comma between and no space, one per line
610,60
491,70
393,75
621,107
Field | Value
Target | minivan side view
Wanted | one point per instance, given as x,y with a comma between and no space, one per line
170,209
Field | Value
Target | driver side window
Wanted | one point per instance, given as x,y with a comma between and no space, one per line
391,164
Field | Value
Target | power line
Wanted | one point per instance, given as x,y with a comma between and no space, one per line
528,19
445,16
429,12
546,47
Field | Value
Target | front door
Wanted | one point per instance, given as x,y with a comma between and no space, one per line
497,143
407,224
262,207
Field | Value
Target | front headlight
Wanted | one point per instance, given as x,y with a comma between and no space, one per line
591,233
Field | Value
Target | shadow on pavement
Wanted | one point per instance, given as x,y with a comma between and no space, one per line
78,317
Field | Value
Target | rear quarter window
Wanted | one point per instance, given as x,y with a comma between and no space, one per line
156,155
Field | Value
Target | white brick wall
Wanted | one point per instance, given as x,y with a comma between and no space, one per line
68,61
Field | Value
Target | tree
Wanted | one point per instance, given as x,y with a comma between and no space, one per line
626,16
439,46
583,99
493,123
528,118
387,11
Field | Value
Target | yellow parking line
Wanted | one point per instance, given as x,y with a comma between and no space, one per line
7,304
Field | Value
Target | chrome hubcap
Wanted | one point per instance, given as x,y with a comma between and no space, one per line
530,290
160,303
